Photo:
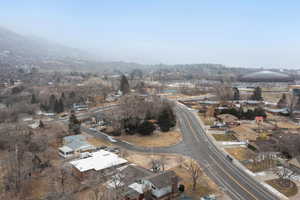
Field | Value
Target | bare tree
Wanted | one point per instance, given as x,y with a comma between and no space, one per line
284,174
155,165
94,183
162,162
195,172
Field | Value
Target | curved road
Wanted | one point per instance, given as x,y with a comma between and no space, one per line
196,144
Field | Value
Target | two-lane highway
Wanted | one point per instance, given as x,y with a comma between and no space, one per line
237,183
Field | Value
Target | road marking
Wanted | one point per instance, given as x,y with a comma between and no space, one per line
232,178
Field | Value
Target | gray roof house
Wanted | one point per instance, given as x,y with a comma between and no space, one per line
74,144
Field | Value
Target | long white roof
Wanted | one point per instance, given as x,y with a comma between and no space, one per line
98,160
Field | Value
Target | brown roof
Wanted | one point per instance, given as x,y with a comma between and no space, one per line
163,179
243,133
227,118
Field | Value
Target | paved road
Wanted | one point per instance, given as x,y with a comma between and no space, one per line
238,184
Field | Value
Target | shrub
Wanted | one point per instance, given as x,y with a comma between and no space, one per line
146,128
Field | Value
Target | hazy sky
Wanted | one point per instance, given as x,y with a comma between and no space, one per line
236,33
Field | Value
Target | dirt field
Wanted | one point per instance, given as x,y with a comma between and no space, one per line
144,160
97,142
240,153
224,137
207,121
158,139
204,187
272,96
290,191
287,125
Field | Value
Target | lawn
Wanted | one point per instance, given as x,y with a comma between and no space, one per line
287,191
157,139
224,137
241,153
204,187
206,121
145,159
97,142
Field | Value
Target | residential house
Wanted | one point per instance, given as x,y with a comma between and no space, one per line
244,133
229,120
74,145
162,185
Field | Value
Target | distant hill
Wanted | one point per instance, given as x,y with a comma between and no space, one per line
16,48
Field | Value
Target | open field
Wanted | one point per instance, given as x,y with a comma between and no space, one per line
144,159
157,139
224,137
288,125
272,96
290,191
97,142
240,153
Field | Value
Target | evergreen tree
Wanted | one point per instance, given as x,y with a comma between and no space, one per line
61,105
282,103
146,128
260,112
74,124
63,95
41,125
124,85
56,106
236,94
257,94
52,101
166,119
33,99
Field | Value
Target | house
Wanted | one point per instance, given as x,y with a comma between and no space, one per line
259,119
128,175
99,161
74,145
281,111
244,133
162,185
228,119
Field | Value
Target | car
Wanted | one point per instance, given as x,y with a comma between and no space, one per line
113,149
229,158
93,129
102,148
111,139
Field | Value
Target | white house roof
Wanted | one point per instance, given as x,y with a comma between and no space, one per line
65,149
97,161
137,187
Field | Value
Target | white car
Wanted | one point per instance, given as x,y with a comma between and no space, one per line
93,129
111,139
